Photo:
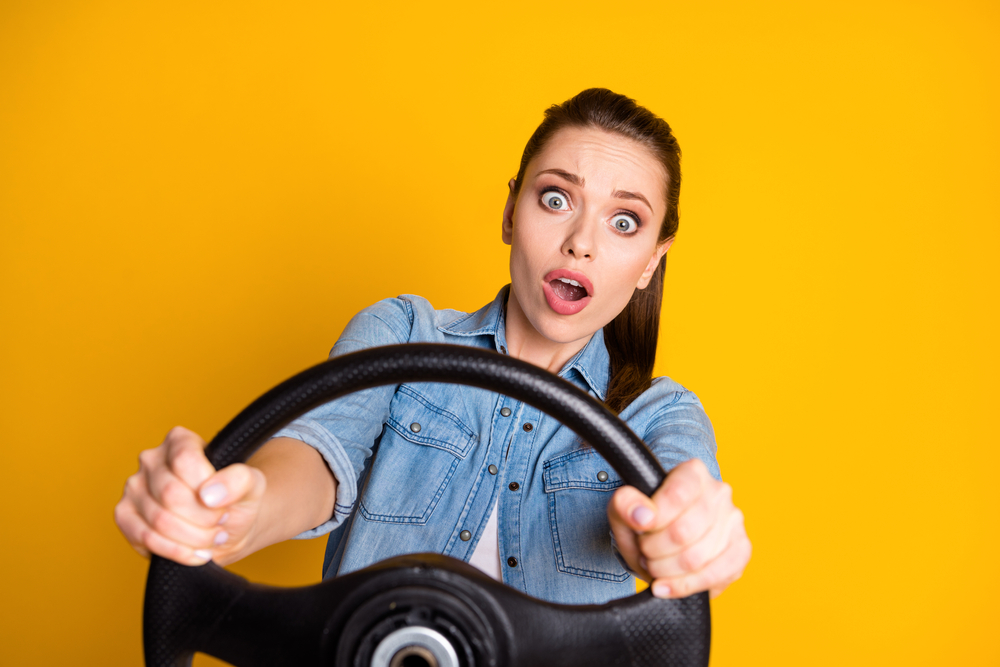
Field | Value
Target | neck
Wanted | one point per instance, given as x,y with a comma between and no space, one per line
525,343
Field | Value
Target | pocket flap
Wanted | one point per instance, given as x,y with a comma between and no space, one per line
413,416
582,469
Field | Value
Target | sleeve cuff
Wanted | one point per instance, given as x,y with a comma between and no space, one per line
314,435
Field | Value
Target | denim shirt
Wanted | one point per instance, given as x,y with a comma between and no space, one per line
444,454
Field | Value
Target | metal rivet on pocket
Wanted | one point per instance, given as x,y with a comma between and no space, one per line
527,427
505,412
493,469
602,476
512,561
465,535
513,486
415,427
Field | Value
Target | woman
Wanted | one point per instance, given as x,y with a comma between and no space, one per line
465,472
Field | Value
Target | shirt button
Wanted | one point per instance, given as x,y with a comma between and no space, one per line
527,427
513,486
512,561
503,349
415,427
602,476
493,469
505,412
465,535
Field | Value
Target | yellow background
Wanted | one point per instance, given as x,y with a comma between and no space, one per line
196,196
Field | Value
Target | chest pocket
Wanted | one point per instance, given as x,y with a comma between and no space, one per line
420,450
578,487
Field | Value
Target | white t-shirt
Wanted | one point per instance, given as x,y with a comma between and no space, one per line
486,555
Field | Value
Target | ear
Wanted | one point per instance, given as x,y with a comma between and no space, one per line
507,228
654,261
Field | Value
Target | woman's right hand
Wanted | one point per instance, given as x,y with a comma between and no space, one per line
179,507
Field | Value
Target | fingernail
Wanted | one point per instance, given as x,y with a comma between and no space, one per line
661,590
204,554
224,518
642,515
213,495
221,537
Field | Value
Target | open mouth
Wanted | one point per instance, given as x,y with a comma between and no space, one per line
567,289
567,292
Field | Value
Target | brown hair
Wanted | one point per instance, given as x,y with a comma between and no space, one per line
631,336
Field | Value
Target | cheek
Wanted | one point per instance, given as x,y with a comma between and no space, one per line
618,298
517,247
521,268
529,246
626,266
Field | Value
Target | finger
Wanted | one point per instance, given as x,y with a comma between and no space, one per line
145,540
707,512
715,576
683,486
699,554
177,497
185,456
130,526
234,484
176,529
625,536
151,459
632,508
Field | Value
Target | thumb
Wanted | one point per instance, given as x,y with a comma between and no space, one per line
634,509
683,487
185,456
237,483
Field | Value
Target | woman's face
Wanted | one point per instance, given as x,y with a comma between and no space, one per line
583,231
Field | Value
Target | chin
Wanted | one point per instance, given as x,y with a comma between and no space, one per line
563,329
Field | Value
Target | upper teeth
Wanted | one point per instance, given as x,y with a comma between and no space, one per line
571,282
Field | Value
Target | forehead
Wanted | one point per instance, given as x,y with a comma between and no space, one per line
605,160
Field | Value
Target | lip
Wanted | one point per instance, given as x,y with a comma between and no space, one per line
566,307
572,275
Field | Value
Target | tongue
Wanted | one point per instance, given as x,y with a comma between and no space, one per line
567,292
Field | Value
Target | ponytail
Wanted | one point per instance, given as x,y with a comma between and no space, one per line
631,341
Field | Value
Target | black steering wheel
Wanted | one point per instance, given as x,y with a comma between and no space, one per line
424,610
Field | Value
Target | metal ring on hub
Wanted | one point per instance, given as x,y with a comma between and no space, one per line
417,641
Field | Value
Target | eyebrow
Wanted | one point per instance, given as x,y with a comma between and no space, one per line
579,182
572,178
625,194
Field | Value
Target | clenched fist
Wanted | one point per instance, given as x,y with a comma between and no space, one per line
179,507
688,537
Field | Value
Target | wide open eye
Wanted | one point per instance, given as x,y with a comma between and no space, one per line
625,224
556,200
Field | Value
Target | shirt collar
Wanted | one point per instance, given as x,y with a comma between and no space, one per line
591,363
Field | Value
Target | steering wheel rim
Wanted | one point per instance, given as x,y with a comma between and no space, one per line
170,586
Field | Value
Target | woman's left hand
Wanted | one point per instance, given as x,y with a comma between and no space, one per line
688,537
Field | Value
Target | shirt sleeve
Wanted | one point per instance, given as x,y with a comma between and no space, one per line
680,430
677,431
344,430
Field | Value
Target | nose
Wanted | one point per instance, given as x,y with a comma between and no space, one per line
580,242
